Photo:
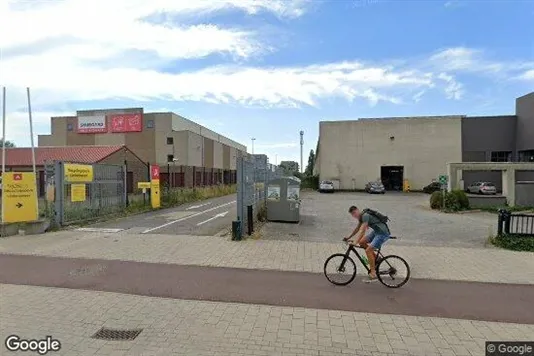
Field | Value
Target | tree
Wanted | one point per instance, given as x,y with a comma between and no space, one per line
311,163
9,144
289,167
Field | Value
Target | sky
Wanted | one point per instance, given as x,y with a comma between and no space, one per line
264,69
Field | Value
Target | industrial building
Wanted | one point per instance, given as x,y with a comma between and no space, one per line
188,153
417,149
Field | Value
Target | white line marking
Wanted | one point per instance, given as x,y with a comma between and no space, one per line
97,229
197,206
221,215
187,217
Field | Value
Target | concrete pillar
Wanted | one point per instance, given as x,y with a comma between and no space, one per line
452,172
508,185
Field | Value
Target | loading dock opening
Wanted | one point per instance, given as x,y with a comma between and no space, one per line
392,177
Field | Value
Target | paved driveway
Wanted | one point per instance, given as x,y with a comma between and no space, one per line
325,218
207,217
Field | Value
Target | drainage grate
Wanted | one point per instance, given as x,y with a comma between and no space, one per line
115,334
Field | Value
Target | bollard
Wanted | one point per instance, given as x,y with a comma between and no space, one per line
236,230
250,219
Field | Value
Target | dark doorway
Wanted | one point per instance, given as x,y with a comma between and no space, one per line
392,177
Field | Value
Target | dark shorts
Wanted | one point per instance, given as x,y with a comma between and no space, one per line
377,240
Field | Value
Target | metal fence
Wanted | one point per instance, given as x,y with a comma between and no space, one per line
515,224
75,201
252,181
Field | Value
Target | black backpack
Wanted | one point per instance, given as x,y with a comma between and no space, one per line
381,217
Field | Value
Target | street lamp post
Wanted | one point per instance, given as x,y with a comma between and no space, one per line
253,139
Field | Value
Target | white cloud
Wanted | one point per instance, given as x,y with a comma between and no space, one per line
528,75
462,59
453,89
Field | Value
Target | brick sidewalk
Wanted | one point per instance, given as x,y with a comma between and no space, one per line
180,327
466,264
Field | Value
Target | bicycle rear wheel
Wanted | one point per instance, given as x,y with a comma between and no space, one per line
340,269
393,271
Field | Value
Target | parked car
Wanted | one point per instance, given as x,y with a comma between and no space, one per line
326,186
375,188
432,187
482,188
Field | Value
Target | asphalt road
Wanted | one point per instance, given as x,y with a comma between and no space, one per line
449,299
207,217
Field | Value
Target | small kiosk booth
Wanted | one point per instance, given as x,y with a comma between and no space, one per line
283,200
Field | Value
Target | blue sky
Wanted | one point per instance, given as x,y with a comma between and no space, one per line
268,69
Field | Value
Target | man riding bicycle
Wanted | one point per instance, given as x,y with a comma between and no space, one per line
374,240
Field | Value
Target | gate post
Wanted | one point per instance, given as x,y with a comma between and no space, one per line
59,186
125,183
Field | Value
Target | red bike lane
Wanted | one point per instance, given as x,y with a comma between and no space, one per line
449,299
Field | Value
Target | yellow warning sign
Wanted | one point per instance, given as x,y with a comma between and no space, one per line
155,198
143,185
78,172
77,192
19,197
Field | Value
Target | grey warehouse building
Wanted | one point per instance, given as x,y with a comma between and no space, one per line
417,149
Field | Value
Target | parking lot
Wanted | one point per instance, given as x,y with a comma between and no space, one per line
325,218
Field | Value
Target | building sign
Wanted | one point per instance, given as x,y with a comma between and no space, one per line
19,197
92,124
126,123
77,192
78,172
143,185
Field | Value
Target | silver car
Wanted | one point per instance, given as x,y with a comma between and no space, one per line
326,186
482,188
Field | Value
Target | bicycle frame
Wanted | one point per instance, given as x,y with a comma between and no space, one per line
353,249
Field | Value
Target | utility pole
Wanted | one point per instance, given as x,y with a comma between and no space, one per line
301,151
253,139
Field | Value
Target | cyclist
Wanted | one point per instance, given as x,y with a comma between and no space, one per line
373,241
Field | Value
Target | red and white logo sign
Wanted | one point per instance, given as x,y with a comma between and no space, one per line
17,176
126,123
92,124
154,172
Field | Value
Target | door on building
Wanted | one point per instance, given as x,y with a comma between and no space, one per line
392,177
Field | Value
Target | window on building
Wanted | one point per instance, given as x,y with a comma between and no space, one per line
170,158
501,156
526,156
149,124
170,140
69,127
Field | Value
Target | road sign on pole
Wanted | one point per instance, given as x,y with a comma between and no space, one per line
443,179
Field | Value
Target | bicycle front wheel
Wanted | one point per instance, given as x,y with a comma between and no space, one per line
393,271
340,269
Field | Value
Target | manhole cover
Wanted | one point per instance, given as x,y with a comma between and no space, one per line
90,270
116,334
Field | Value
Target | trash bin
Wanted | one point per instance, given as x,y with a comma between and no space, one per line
283,199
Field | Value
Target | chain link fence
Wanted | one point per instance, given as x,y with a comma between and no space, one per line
70,200
253,176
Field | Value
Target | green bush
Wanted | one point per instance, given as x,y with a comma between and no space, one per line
515,243
462,198
454,201
436,200
173,197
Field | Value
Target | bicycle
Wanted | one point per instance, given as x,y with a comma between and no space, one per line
381,261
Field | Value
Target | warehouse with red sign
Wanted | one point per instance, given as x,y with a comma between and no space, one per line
188,153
